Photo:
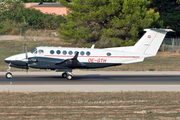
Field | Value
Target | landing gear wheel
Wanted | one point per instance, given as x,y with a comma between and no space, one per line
64,75
8,75
69,77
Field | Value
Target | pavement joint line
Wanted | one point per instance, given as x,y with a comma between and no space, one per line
89,88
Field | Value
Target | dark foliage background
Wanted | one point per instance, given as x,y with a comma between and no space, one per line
15,16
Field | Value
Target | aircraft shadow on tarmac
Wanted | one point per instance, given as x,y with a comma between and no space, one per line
110,76
96,79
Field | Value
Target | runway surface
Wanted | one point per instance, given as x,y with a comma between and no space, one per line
96,77
92,81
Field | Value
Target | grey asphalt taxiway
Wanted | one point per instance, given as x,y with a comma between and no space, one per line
92,81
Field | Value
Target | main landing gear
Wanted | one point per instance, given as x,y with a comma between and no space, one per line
67,75
9,74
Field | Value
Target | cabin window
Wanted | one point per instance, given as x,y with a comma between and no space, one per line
58,52
70,52
108,54
75,52
82,53
88,53
64,52
52,52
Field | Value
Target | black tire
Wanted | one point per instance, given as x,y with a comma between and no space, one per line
64,75
8,75
69,77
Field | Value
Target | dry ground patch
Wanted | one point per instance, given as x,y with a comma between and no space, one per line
41,33
90,105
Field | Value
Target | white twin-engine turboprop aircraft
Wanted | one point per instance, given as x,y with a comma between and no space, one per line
64,59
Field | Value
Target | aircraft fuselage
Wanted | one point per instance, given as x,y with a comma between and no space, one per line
89,58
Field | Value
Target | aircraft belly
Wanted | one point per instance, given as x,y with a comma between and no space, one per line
86,62
100,65
133,61
46,63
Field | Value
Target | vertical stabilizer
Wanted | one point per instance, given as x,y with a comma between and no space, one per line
150,41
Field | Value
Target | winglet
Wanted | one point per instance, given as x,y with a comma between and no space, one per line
75,57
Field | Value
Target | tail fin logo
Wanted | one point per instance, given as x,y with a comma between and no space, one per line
149,36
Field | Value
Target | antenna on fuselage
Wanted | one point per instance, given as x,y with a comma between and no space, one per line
92,47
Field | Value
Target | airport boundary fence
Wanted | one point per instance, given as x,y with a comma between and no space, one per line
171,44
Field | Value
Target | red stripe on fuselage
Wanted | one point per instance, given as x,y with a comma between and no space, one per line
92,56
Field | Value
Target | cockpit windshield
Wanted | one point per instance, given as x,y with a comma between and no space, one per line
34,50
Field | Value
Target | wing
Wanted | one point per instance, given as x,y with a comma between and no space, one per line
71,63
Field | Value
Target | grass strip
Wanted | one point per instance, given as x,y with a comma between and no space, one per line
89,105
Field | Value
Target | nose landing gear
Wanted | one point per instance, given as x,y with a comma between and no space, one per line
9,74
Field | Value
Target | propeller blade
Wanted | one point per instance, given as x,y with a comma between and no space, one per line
26,53
27,66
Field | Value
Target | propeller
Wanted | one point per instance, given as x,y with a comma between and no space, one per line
27,67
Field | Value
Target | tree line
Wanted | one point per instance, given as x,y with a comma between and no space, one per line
169,11
106,23
28,1
117,22
14,16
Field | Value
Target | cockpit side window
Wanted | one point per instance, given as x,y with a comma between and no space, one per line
34,50
40,51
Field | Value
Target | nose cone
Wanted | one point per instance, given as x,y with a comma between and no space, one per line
16,59
19,59
8,60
